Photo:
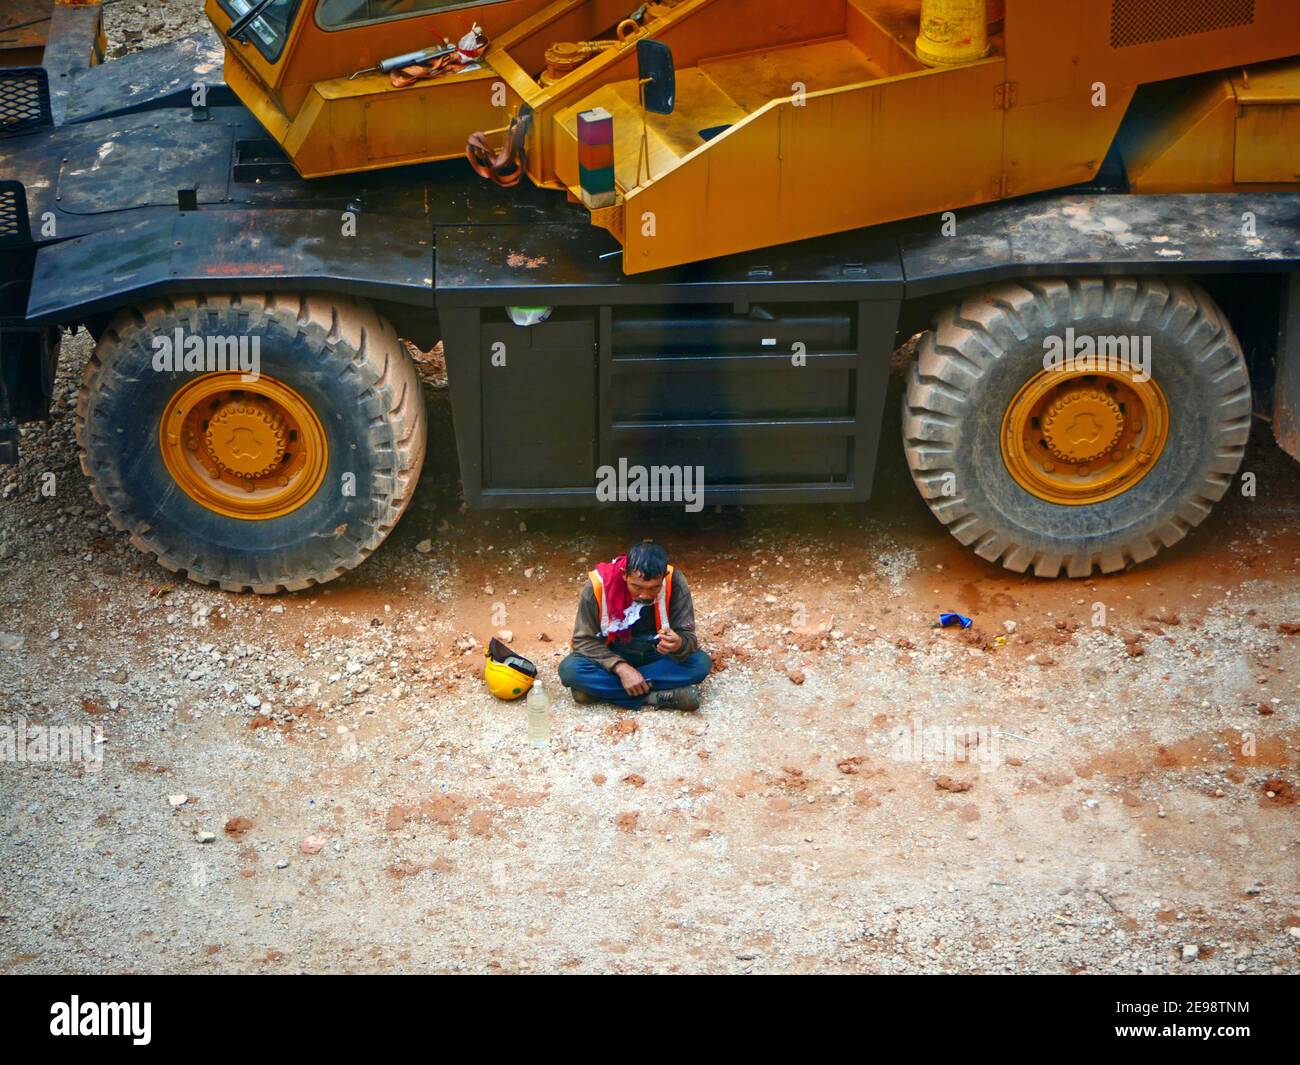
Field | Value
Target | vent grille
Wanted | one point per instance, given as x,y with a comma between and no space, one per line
1146,21
15,227
24,101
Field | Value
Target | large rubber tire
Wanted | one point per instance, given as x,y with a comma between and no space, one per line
340,356
982,351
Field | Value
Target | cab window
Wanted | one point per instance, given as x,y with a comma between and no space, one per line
339,14
270,30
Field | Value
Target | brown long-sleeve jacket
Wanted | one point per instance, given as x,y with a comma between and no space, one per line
588,642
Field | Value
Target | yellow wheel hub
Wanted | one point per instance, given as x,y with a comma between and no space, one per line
1080,438
246,449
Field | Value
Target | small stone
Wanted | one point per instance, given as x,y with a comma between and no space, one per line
1191,952
10,641
283,863
178,799
796,676
1008,627
505,635
252,700
424,547
1294,931
205,837
311,845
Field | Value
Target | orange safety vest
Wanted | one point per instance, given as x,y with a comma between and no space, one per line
662,600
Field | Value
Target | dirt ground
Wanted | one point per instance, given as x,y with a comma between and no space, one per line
1099,776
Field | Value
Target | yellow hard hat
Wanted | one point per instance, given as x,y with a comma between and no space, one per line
507,675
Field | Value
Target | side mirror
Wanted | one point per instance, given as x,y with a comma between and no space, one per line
658,75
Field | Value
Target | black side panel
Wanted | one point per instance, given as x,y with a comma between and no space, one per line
766,377
760,396
539,402
1286,389
27,363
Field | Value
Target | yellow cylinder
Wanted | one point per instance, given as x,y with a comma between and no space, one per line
952,32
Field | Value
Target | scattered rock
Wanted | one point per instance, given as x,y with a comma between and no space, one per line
205,837
425,547
238,827
623,727
311,845
178,799
946,783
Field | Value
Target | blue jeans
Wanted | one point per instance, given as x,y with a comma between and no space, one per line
662,673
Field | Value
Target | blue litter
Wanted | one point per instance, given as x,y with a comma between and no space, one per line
947,620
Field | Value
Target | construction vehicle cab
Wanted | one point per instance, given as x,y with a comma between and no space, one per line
298,69
735,213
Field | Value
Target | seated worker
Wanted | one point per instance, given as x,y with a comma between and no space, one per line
634,642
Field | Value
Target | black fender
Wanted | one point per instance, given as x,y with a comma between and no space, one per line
222,250
161,77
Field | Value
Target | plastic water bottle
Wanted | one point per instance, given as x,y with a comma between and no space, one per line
539,716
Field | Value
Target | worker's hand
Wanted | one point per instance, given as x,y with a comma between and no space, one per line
669,642
633,682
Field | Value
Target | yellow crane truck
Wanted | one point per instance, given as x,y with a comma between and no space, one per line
686,236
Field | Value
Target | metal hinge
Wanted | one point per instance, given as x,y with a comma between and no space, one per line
1002,186
1004,95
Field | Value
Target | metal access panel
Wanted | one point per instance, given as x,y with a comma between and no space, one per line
770,374
539,402
752,395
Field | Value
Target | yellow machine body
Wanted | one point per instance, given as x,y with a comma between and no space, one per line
831,116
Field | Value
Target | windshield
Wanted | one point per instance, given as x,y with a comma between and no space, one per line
336,14
270,30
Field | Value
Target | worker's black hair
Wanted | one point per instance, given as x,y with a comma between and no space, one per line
648,559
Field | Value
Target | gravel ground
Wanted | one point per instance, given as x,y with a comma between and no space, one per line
1107,783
